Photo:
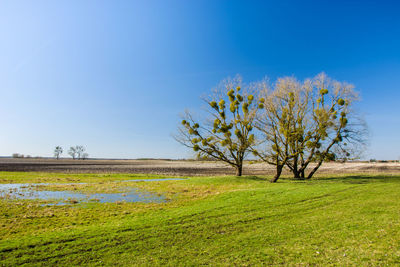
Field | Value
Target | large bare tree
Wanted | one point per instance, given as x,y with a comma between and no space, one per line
226,134
298,124
283,105
309,122
331,128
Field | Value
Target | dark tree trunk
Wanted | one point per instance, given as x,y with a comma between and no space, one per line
278,173
299,174
239,170
321,160
296,173
310,175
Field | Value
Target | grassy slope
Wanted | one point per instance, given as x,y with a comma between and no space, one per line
352,220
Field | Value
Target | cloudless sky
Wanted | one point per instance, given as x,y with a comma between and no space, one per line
115,75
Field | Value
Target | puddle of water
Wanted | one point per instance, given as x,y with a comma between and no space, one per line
29,191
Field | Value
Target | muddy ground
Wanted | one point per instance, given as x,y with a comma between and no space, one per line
177,167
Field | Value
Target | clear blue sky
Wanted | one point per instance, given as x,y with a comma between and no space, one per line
115,75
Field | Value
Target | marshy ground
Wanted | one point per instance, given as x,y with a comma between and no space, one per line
351,219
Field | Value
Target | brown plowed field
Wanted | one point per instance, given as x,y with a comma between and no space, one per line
176,167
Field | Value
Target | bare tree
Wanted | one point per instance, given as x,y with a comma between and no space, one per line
297,123
309,122
226,135
279,122
72,152
57,152
334,129
79,151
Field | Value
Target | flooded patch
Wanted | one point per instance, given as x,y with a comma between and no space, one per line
32,191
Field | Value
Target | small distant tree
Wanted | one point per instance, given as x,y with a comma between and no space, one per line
57,152
72,152
85,156
226,135
79,151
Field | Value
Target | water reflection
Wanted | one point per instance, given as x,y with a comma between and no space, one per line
31,191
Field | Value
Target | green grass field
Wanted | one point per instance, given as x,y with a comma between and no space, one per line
331,220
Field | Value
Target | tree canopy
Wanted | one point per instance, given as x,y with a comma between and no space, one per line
227,133
292,123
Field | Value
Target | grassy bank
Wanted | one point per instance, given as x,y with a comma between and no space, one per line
344,220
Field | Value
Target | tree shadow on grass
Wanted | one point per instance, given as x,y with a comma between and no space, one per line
350,179
362,179
253,178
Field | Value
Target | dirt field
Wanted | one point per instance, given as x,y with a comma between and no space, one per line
176,167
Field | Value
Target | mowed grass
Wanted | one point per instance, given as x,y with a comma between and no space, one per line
347,220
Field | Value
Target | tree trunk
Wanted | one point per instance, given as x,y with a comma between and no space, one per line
278,173
239,170
321,160
314,170
296,173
